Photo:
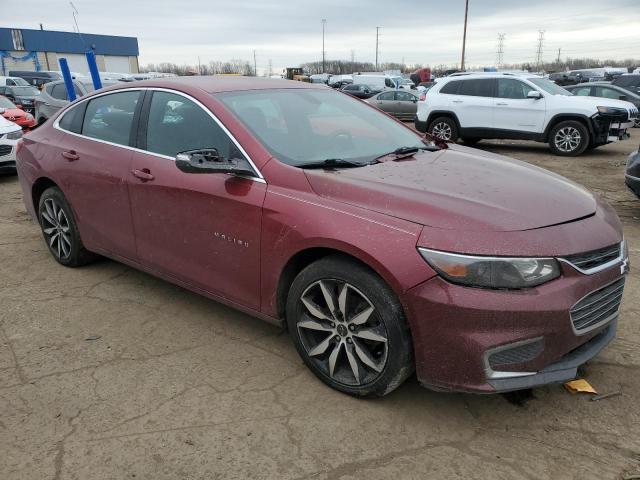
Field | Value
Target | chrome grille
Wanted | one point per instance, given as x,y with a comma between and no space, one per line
5,150
594,258
598,307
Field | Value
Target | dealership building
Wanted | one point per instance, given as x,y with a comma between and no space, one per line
25,49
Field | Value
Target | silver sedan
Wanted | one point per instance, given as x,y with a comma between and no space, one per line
402,104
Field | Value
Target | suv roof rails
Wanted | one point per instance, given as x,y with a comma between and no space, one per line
511,74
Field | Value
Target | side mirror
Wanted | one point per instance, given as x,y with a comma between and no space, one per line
536,95
210,161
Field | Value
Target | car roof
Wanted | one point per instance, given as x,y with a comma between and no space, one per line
588,84
472,75
216,84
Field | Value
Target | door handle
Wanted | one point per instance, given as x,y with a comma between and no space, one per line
70,155
144,174
502,104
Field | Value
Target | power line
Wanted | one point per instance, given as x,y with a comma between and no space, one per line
324,22
539,49
464,35
377,45
255,64
500,52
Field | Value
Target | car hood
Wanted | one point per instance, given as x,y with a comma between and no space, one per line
459,189
586,101
14,113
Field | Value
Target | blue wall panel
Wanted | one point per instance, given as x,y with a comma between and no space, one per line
70,42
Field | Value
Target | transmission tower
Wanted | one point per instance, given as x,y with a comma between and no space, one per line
539,49
500,52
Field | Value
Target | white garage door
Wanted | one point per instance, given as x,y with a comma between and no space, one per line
116,64
77,63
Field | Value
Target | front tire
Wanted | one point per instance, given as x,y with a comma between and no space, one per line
569,138
60,231
349,327
444,128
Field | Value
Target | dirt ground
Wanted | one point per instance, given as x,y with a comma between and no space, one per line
108,373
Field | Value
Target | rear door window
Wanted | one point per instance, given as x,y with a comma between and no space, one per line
608,93
405,97
109,117
386,96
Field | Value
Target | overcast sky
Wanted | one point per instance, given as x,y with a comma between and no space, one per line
290,32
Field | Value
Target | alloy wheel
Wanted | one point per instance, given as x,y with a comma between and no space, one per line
55,226
567,139
442,130
342,333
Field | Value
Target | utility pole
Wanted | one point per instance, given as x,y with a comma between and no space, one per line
270,68
255,65
199,67
377,44
539,49
464,35
559,50
500,52
324,22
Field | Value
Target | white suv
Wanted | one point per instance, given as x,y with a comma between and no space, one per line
475,106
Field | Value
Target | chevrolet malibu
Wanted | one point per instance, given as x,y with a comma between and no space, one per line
381,252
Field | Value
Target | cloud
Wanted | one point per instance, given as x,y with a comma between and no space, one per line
289,32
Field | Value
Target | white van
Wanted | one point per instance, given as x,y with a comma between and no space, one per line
378,81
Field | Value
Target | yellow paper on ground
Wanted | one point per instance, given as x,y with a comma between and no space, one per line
579,386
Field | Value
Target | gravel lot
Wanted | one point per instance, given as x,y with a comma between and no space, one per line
108,373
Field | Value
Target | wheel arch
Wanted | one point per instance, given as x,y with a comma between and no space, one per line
443,113
561,117
305,257
38,188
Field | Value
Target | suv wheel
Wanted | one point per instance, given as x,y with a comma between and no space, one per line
444,128
349,327
60,231
569,138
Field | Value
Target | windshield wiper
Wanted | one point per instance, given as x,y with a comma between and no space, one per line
405,152
334,163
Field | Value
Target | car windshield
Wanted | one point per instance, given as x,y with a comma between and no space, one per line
6,103
20,81
303,126
25,91
549,87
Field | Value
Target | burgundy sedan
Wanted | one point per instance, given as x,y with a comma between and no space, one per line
381,252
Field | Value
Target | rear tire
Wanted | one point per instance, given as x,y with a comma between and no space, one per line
444,128
569,138
361,346
60,231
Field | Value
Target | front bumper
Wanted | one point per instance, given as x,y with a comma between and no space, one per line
610,128
455,328
8,156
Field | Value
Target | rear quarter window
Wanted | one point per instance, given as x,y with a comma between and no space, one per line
71,120
451,88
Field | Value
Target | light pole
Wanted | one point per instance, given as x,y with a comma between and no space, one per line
324,22
464,35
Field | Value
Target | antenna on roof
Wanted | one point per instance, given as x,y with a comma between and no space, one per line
74,12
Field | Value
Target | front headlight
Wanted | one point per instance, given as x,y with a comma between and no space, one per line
14,135
492,272
611,110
